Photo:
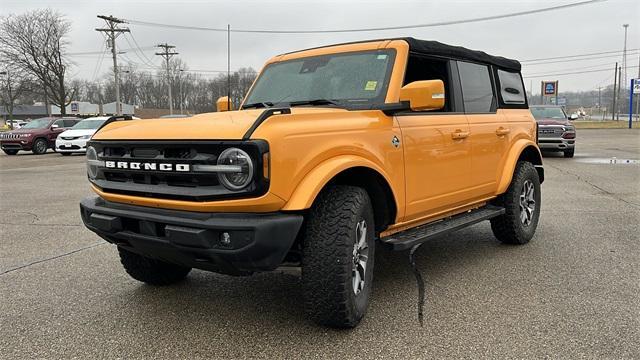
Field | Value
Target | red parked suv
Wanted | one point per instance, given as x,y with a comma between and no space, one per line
37,135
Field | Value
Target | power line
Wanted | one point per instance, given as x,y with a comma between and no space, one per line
575,55
574,59
416,26
568,73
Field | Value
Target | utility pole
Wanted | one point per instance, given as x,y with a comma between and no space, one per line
624,56
181,71
613,106
113,31
229,63
619,86
167,54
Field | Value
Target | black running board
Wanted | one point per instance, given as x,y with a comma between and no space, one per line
407,239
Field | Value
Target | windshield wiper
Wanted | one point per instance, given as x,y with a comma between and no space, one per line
316,102
258,105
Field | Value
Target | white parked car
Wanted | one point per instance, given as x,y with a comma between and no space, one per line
75,139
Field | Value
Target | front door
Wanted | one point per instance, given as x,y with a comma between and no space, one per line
437,155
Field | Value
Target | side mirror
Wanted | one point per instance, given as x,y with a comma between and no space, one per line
423,95
573,117
54,126
224,104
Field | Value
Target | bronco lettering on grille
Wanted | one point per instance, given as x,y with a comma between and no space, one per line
147,166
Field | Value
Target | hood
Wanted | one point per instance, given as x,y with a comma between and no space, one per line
79,132
553,122
228,125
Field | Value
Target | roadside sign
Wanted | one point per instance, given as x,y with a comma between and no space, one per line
74,107
550,88
636,86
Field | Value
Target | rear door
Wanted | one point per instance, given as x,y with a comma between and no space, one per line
490,133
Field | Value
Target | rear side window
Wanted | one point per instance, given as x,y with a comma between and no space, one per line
511,88
477,91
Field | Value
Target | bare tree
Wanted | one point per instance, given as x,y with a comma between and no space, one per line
36,42
13,84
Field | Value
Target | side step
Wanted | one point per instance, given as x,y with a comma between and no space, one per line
407,239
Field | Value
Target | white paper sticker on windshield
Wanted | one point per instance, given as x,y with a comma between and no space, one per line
382,56
371,85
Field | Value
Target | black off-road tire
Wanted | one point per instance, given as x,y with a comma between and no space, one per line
328,257
151,271
569,153
38,147
509,228
10,151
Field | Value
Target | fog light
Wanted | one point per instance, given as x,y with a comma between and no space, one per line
225,238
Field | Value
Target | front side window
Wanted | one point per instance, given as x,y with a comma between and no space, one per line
70,123
60,123
477,91
347,78
511,88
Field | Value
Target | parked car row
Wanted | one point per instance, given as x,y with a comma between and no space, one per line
65,135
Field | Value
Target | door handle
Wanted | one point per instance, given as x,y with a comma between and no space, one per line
502,131
459,135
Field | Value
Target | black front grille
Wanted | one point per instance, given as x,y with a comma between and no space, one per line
172,184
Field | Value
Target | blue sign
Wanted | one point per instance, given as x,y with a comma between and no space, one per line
550,88
74,107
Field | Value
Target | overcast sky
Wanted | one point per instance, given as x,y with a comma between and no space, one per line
587,29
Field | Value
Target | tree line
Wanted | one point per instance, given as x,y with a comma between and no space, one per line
35,66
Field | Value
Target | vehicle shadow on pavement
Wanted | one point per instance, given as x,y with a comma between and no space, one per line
211,300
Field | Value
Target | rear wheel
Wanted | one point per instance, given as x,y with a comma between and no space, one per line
522,207
151,271
569,153
10,151
40,146
338,255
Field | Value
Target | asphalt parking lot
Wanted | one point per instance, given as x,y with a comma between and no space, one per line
573,292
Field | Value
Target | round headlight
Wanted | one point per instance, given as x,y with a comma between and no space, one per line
235,180
92,167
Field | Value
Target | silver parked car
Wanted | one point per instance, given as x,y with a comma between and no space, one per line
555,130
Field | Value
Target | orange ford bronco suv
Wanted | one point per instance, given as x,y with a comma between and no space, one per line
334,151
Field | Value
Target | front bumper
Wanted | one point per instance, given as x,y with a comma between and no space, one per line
71,146
556,144
15,145
258,242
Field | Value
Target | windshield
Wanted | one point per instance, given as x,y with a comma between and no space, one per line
548,113
357,77
88,124
37,124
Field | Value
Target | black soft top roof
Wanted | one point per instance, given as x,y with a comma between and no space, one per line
429,47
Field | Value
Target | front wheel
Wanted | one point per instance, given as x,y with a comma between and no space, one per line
522,207
338,255
151,271
40,146
569,153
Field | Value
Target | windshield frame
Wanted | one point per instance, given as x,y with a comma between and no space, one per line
548,107
378,100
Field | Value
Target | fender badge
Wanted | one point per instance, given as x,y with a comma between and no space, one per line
395,141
